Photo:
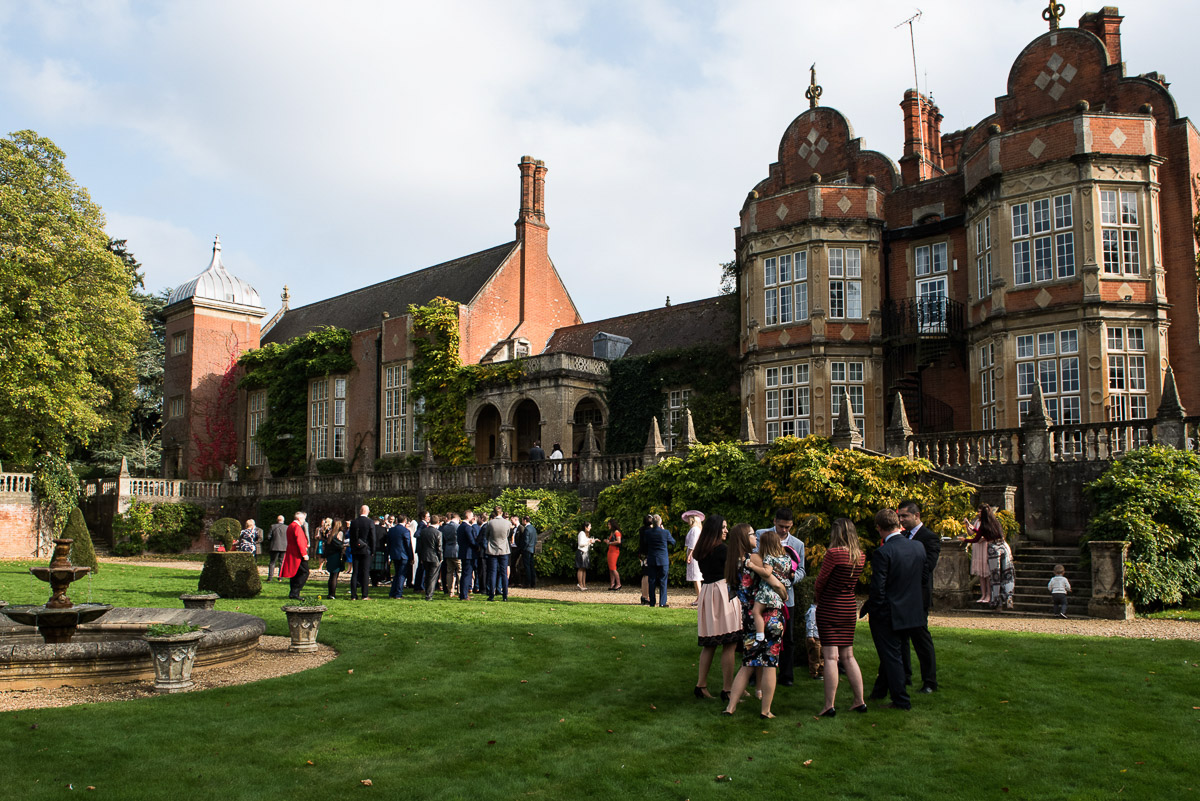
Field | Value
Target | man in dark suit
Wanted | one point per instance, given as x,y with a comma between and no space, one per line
277,544
910,518
529,545
399,549
894,604
450,560
655,540
362,537
419,572
429,552
466,553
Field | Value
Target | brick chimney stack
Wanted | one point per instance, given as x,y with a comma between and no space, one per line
539,191
1106,24
922,138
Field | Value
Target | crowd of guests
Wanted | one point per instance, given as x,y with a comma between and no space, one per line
456,552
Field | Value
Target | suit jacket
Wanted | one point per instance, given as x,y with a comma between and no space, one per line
466,541
399,546
429,544
295,551
449,540
654,545
933,549
278,537
529,543
362,536
495,534
896,568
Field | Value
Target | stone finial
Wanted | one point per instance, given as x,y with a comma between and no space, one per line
1170,407
687,437
124,471
1037,416
813,93
266,469
1053,13
899,422
747,435
504,450
285,296
311,469
427,458
845,431
654,443
590,448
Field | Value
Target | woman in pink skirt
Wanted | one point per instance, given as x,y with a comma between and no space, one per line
719,619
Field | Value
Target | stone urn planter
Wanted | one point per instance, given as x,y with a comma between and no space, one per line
304,620
199,600
173,656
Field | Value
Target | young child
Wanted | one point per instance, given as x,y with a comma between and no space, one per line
1059,587
775,559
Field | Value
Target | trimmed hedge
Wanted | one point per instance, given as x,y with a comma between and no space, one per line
225,531
231,575
83,553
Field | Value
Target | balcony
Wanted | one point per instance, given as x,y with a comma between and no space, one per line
914,319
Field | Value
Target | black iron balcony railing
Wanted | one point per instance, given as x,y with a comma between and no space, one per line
923,317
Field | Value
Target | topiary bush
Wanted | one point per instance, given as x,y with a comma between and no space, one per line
1151,498
83,553
232,574
225,531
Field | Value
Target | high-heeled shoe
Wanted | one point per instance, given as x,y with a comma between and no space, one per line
725,696
861,708
829,713
766,717
702,692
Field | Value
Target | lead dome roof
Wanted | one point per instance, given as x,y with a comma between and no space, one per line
217,283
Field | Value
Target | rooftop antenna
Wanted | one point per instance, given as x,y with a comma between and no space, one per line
917,88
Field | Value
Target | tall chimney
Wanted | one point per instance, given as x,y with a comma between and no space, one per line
539,190
527,166
1106,24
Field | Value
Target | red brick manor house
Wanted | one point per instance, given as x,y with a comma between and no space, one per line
1051,244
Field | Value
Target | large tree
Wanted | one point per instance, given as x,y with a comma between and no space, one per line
70,328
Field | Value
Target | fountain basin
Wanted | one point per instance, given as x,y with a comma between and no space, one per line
56,625
112,649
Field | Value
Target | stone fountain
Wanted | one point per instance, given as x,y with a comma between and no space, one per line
57,619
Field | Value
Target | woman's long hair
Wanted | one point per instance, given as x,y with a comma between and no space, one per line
739,546
710,536
989,526
845,535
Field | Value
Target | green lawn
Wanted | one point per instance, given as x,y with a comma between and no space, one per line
546,700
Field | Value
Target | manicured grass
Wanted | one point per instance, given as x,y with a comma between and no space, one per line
1188,610
550,700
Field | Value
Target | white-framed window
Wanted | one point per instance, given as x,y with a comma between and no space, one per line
179,343
318,418
845,283
1120,233
177,407
785,297
788,401
987,384
930,259
1050,358
1128,397
395,408
676,401
1043,240
983,257
848,377
256,413
339,418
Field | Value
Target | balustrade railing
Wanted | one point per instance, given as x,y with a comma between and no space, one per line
16,483
614,468
399,482
1097,442
968,448
1191,434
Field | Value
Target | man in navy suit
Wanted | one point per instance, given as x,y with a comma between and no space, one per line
362,538
399,548
655,540
466,553
894,604
922,642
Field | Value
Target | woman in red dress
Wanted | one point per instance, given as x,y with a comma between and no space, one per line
837,612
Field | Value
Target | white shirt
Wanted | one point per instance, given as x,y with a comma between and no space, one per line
584,543
1059,584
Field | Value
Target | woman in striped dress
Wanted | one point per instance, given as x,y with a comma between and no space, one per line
837,612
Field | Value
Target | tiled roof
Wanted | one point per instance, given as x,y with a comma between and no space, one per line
459,280
712,321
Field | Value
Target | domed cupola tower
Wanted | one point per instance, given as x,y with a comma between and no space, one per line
210,321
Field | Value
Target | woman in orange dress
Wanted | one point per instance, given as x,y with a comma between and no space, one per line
614,550
837,612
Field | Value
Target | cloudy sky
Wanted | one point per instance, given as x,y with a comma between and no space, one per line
336,144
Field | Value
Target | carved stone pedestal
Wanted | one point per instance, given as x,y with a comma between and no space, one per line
1108,599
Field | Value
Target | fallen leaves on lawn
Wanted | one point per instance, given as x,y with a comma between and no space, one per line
309,762
351,670
491,742
365,782
807,762
721,777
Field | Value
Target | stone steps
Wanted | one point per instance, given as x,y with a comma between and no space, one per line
1034,567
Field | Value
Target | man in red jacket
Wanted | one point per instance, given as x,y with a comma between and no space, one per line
295,558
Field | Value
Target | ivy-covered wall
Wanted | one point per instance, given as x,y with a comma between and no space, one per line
284,371
636,394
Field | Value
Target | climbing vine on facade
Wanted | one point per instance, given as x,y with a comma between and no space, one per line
444,384
284,370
